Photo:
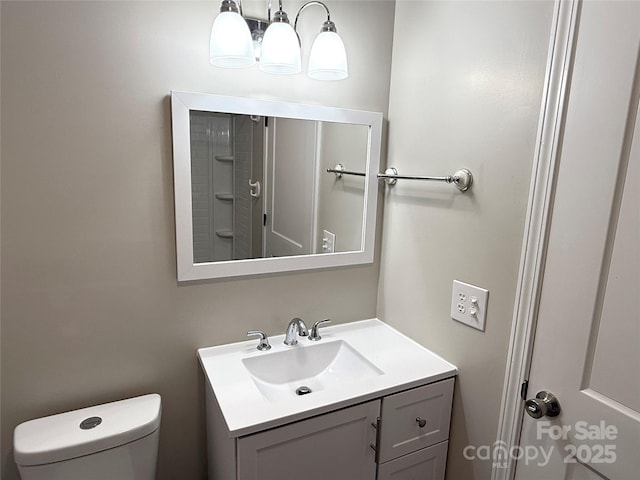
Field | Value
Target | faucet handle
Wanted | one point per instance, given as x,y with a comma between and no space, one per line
314,336
264,341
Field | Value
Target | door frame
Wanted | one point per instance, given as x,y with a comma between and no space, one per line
537,222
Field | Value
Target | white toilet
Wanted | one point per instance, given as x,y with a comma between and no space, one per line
114,441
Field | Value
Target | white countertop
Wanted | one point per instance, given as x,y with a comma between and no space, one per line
404,364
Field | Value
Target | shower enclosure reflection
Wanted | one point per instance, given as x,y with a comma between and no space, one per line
259,186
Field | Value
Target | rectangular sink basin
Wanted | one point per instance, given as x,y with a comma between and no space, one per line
304,371
353,362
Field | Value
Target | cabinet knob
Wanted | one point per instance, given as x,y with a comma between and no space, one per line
421,422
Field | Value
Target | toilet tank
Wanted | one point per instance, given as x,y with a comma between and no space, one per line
113,441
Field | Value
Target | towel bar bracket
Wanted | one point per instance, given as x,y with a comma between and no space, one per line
339,171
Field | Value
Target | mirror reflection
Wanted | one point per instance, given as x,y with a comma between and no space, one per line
260,186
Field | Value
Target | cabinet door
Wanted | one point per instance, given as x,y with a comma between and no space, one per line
415,419
333,446
426,464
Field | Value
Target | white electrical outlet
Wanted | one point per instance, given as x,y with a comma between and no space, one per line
469,304
328,242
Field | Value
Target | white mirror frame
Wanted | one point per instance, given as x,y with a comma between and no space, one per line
184,102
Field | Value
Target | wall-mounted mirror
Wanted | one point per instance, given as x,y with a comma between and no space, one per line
252,191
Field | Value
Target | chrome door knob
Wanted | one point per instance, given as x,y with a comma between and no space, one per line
544,405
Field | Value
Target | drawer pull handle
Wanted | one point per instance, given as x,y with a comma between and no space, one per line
421,422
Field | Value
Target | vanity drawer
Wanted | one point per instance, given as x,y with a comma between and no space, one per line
426,464
403,413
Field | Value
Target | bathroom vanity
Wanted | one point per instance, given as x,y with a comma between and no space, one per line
379,407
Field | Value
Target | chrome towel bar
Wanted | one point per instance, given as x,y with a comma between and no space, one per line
462,179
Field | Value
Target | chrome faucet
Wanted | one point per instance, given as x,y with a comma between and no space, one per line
296,327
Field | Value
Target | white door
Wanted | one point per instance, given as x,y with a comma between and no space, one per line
291,180
587,343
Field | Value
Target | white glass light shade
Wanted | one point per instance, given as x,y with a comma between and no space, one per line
280,50
231,45
328,58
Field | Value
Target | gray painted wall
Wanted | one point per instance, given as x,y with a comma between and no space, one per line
471,99
91,310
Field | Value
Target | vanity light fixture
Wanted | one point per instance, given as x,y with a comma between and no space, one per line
231,45
238,42
280,47
328,57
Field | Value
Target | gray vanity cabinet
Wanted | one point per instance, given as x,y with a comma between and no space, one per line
330,446
401,436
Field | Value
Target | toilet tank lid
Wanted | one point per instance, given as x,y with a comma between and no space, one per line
86,431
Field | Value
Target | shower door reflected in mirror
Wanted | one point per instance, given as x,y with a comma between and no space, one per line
252,191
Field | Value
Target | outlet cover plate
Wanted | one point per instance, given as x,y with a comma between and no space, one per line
467,299
328,242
